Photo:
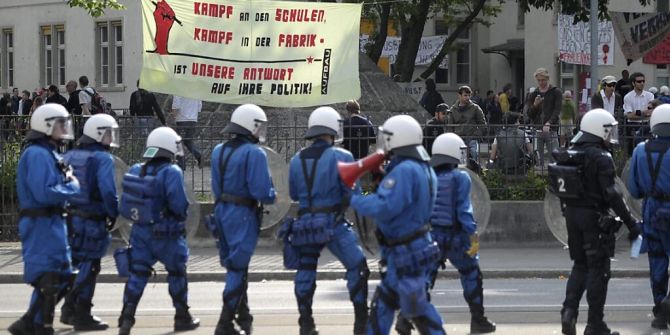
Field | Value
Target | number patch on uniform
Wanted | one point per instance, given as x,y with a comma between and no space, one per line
134,214
561,185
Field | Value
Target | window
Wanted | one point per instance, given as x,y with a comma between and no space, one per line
461,67
567,77
6,58
109,54
662,75
52,58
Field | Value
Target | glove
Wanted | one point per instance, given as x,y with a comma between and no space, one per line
474,245
489,165
634,230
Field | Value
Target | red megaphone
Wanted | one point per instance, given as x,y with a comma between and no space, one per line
350,172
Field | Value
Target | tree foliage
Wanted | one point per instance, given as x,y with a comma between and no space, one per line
96,8
579,8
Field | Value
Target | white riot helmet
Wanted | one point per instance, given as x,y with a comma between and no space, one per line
660,120
46,118
325,121
402,134
664,90
653,90
249,120
449,148
600,123
102,128
163,142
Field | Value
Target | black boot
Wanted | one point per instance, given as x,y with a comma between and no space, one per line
184,321
307,326
598,330
44,330
403,326
67,313
569,321
22,326
127,319
659,322
83,320
361,318
225,325
481,325
245,319
665,308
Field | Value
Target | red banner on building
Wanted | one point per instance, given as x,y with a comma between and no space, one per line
660,54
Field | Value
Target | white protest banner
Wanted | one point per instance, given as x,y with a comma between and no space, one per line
639,32
271,53
428,49
574,41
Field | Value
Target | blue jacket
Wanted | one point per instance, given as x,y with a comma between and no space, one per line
403,201
39,182
328,189
457,182
639,181
102,165
173,196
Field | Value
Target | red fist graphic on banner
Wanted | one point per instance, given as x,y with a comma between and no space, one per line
164,17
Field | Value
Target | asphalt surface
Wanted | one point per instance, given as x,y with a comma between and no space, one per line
519,306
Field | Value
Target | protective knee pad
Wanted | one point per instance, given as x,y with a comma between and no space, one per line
381,297
363,273
50,286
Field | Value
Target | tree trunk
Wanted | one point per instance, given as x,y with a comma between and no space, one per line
377,47
410,41
450,40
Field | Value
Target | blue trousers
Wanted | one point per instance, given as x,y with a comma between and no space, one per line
344,245
453,247
658,270
406,292
89,243
145,252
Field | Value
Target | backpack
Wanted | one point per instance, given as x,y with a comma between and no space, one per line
98,103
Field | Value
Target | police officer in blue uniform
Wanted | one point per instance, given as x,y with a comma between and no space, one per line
92,213
154,198
401,207
314,182
241,183
44,184
583,178
650,179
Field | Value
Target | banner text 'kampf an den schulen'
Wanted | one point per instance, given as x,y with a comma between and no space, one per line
271,53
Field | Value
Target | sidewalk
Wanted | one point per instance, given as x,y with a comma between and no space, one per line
266,264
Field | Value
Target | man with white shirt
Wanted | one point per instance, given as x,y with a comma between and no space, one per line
635,108
608,99
186,115
85,95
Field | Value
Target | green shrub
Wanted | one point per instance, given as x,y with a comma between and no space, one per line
502,187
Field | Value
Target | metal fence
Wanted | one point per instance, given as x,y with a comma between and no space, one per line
503,182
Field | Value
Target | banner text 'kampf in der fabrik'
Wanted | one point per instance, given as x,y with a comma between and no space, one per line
271,53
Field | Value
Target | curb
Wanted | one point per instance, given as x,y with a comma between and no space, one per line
257,276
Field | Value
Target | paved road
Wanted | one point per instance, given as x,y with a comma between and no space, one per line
519,306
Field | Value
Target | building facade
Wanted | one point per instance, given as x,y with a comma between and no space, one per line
46,42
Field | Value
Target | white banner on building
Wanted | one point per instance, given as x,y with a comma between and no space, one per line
428,49
639,32
574,41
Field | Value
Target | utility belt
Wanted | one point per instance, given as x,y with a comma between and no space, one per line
335,209
238,200
86,215
407,239
446,229
41,212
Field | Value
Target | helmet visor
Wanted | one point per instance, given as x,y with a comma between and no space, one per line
463,159
382,142
612,133
261,131
110,137
180,149
339,137
61,128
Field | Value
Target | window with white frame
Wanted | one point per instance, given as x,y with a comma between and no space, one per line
52,58
662,75
459,61
109,54
8,38
567,76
